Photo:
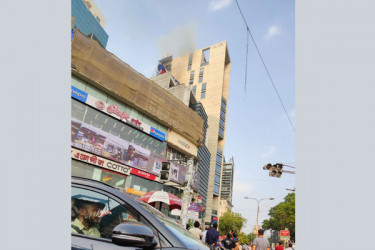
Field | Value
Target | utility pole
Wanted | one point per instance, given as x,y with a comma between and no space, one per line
186,199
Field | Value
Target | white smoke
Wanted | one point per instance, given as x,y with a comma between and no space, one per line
179,41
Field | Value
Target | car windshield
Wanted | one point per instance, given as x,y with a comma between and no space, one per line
184,235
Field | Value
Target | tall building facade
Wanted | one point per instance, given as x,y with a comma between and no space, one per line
207,72
227,180
122,130
183,93
89,20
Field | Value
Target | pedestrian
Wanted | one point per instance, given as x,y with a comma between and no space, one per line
279,246
196,231
212,236
260,243
204,233
290,247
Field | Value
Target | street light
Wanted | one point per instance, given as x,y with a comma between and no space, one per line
258,204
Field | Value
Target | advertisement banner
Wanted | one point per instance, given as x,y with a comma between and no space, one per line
94,140
157,134
79,94
182,143
143,174
99,161
115,112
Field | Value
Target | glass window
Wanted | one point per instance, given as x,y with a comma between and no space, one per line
205,57
113,126
218,168
203,95
96,215
222,113
190,61
194,90
204,85
218,158
216,188
221,132
222,122
223,104
217,178
201,71
191,80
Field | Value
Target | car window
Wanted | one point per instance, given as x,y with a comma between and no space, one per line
181,233
96,215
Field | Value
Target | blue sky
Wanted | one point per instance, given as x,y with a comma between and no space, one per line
258,131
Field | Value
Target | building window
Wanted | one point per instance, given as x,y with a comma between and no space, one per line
205,57
222,122
201,71
218,168
219,156
223,104
203,91
221,132
217,179
190,61
222,113
194,90
97,19
191,77
216,189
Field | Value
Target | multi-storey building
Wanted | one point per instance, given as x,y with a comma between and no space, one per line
89,20
207,72
182,92
124,125
227,180
226,186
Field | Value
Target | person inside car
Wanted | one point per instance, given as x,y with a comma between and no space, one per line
87,218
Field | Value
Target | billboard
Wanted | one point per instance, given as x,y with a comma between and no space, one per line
96,141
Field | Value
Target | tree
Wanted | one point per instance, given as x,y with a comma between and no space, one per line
251,237
231,221
282,216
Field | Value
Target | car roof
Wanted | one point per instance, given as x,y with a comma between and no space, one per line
133,203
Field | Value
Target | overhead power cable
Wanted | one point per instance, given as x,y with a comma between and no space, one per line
268,73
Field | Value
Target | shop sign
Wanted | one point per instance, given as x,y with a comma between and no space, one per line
214,219
193,215
100,162
157,134
182,143
134,191
284,234
143,174
114,111
79,94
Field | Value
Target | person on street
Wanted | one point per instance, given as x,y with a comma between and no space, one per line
279,246
196,231
227,242
290,247
260,243
212,236
88,216
204,233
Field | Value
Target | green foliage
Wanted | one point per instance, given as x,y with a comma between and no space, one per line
246,238
251,237
242,238
282,216
231,221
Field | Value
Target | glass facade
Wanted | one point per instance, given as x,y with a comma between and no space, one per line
78,83
216,189
84,170
117,128
87,24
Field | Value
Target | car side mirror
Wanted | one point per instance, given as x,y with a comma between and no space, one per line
133,234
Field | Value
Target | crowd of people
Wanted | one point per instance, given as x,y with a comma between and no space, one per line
211,237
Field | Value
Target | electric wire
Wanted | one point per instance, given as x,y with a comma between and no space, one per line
268,73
